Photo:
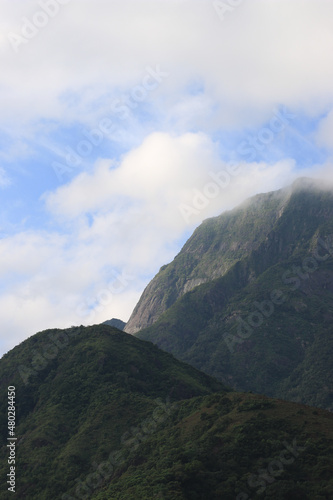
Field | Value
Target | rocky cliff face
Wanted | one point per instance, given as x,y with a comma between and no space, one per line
216,245
237,329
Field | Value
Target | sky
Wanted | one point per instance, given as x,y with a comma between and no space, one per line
126,123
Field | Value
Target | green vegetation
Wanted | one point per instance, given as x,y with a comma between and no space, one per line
287,350
209,253
213,447
111,416
74,411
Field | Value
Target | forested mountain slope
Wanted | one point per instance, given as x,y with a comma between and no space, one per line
266,324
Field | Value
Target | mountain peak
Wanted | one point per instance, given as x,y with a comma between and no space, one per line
311,184
304,182
218,243
278,242
115,322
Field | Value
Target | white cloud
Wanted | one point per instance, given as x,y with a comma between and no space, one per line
134,205
154,173
263,53
56,281
122,223
156,178
135,210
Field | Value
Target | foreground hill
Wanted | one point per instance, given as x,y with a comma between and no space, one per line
265,325
101,414
78,392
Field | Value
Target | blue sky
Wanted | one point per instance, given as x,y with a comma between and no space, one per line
124,124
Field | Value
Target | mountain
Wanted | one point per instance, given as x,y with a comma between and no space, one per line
117,323
80,393
213,249
101,414
261,318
